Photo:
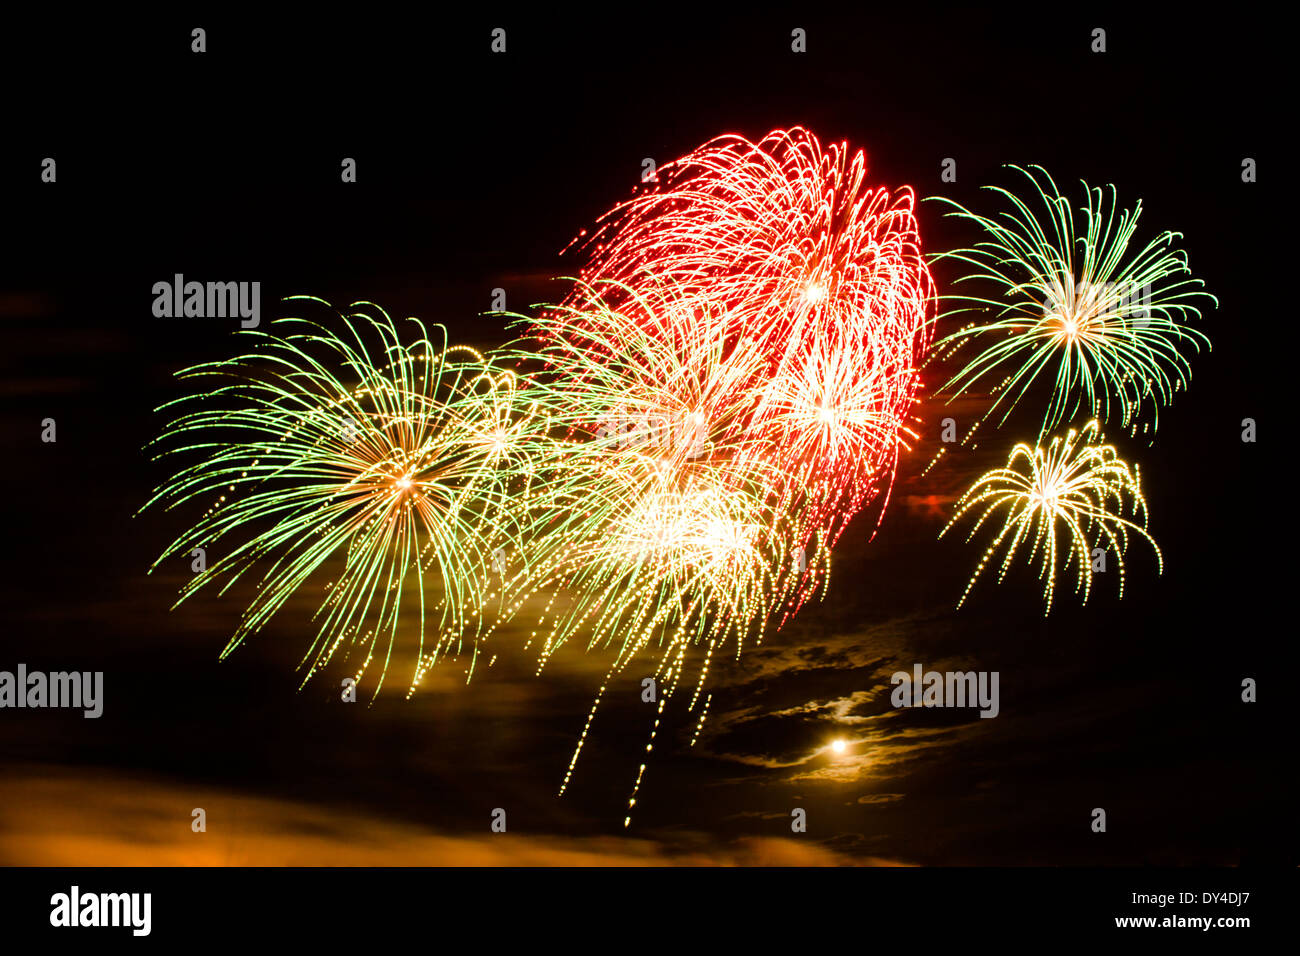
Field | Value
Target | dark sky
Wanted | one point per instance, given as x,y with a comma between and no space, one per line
474,172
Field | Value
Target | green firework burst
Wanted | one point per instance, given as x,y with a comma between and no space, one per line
368,457
1077,302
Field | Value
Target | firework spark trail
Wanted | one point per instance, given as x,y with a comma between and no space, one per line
1075,304
1070,497
392,452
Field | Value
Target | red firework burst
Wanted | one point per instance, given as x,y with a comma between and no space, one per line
811,277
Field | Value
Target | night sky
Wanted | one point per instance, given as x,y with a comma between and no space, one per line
474,172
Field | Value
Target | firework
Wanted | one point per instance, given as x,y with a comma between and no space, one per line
741,384
1060,502
834,425
1077,303
659,455
814,275
676,448
656,523
370,452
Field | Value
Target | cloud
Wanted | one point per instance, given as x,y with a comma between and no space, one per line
50,817
791,697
